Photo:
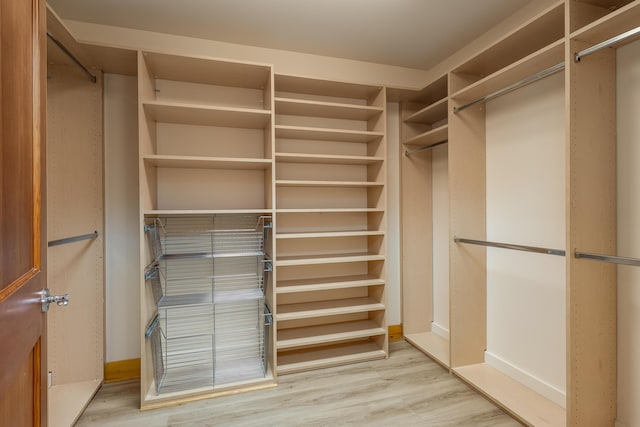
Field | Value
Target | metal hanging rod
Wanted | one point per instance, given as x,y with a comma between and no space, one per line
613,40
73,58
424,148
517,85
609,258
59,242
536,249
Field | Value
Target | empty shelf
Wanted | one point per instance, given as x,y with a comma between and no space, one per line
323,134
303,183
194,162
327,308
615,23
326,283
432,345
329,234
313,335
331,210
181,212
430,114
290,362
327,259
434,135
310,86
520,401
326,159
195,114
301,107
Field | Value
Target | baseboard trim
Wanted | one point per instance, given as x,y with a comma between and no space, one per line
121,370
536,384
395,333
440,331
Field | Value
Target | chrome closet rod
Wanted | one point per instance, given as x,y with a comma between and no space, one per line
613,40
59,242
525,248
424,148
73,58
635,262
528,80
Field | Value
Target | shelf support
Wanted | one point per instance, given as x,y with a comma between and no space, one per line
517,85
613,40
524,248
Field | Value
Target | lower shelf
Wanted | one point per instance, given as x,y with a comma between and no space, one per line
323,334
520,401
432,345
326,283
323,357
327,308
66,402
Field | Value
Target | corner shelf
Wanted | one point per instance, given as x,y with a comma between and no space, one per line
430,114
432,136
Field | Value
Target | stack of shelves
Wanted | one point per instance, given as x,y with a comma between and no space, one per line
206,160
330,223
536,48
424,117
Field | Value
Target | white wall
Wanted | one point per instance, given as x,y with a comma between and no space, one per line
440,224
121,218
393,215
526,205
628,111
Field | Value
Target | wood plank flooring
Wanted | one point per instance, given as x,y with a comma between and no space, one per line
408,389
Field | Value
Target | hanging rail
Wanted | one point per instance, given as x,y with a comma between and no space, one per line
536,249
613,40
59,242
73,58
528,80
635,262
424,148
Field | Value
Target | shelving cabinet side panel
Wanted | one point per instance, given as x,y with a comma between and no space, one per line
591,286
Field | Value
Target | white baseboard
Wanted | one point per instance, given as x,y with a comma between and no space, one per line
440,331
536,384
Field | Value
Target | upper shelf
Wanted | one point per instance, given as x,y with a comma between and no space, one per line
326,159
306,183
322,134
430,114
302,107
204,115
438,134
621,20
207,70
304,85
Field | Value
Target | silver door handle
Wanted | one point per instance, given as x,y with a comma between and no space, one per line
46,299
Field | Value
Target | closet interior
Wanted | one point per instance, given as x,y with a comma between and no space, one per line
263,218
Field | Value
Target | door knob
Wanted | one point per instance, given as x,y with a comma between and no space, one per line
47,298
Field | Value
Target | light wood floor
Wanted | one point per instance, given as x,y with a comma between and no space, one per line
408,389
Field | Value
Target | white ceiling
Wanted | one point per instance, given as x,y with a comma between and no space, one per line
409,33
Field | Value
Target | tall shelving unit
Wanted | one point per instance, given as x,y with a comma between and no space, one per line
330,223
206,203
424,126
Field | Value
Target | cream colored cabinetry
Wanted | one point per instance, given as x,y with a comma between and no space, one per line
330,223
206,168
424,127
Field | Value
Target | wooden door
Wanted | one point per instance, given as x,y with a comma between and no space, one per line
22,237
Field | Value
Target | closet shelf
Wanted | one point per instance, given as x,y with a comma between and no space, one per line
330,88
327,259
434,135
617,22
432,345
430,114
323,334
527,66
289,362
205,115
304,183
326,159
209,298
520,401
195,255
327,308
325,234
195,69
182,212
327,283
324,134
301,107
195,162
331,210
